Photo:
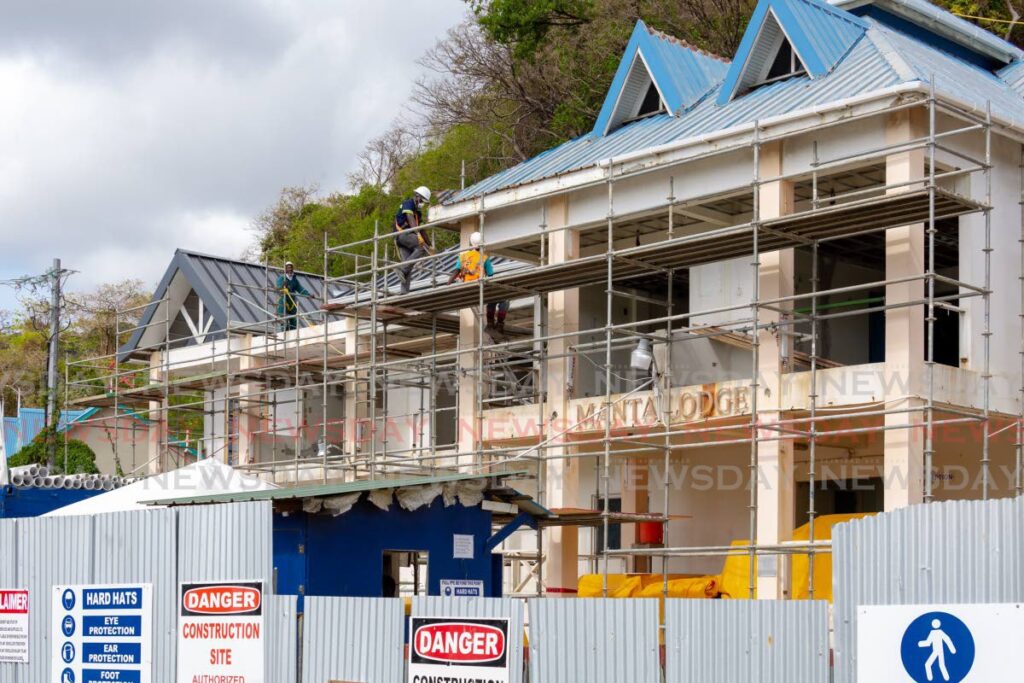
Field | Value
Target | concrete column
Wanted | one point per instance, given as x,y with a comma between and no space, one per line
775,509
350,428
903,469
562,475
249,410
469,424
157,417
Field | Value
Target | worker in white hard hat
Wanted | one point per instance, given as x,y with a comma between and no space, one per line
409,238
473,264
290,288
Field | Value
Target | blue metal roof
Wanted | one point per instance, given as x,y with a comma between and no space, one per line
950,25
19,431
683,74
884,58
1013,75
820,33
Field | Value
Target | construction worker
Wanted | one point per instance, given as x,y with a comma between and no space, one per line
473,264
408,238
290,287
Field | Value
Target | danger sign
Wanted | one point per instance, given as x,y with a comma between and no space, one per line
220,632
458,650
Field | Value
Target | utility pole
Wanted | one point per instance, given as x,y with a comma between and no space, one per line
51,370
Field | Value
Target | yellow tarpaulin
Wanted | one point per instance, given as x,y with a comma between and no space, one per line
736,573
800,585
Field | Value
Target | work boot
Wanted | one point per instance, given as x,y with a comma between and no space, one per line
501,324
403,278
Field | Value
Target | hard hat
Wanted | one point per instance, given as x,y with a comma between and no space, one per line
476,239
289,263
423,191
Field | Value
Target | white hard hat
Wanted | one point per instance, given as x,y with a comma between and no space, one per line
423,191
476,239
289,263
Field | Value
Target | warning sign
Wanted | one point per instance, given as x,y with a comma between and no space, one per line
14,626
220,632
458,650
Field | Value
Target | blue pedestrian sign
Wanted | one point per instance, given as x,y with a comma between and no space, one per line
101,634
937,646
971,643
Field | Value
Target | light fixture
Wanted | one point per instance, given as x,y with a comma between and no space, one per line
641,357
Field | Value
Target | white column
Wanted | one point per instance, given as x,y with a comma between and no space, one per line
562,475
775,508
903,473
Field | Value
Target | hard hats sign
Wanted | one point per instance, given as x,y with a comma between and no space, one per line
938,643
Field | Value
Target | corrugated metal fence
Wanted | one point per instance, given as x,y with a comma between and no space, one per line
594,640
161,547
352,639
737,641
952,552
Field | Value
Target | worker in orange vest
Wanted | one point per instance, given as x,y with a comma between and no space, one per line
473,264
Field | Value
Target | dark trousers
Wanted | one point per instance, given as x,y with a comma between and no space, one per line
499,307
409,249
290,322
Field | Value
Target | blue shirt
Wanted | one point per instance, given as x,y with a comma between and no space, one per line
402,216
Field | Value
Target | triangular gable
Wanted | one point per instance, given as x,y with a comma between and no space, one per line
819,34
193,297
680,74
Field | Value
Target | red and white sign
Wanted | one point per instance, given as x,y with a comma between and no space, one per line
14,608
220,632
458,650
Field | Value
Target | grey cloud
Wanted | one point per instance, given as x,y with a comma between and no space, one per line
111,165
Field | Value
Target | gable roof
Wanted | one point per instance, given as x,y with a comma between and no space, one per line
681,73
883,59
253,300
820,34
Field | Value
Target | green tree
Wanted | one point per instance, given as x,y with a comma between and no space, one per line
80,457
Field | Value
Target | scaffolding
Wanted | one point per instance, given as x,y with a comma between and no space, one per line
412,360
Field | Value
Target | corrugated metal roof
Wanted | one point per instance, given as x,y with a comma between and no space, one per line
885,58
819,33
19,431
683,75
426,275
253,297
1014,76
951,26
322,490
864,69
829,32
954,75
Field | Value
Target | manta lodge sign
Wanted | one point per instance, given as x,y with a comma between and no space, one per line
686,404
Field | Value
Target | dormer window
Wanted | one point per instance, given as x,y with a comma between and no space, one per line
785,64
649,106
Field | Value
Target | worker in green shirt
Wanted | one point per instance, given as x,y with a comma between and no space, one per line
287,307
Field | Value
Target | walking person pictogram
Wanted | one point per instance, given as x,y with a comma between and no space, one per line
938,641
937,647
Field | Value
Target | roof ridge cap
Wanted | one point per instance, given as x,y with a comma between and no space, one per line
679,42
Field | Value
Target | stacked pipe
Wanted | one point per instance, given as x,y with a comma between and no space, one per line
39,477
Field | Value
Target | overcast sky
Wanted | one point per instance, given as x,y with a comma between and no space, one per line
130,128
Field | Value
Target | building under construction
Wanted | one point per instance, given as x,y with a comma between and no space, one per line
761,290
